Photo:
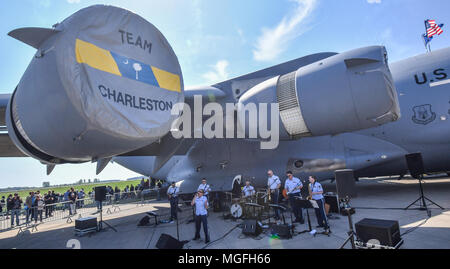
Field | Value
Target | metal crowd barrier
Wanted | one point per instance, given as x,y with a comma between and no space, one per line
70,210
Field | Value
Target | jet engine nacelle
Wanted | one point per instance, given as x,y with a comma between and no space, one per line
343,93
102,83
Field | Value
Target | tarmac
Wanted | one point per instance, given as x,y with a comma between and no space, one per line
381,198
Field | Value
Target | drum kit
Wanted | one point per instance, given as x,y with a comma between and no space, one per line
248,207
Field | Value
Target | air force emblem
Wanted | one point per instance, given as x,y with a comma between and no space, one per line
423,114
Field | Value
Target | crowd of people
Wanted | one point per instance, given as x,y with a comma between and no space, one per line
37,206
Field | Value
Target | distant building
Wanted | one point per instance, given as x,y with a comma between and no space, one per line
45,184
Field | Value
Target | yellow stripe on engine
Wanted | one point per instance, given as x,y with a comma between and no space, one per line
95,57
167,80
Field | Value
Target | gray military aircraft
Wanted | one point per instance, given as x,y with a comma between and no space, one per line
104,82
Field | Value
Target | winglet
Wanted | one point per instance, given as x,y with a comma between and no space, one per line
33,36
50,168
101,164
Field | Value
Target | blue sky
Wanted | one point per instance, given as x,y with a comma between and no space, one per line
218,39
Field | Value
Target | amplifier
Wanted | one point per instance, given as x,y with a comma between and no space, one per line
251,227
387,232
333,201
85,223
282,230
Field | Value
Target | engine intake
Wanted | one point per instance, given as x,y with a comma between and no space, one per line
102,83
343,93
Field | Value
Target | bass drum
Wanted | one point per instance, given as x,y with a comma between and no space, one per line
236,211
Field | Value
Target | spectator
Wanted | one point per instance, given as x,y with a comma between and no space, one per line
2,203
81,196
158,190
29,206
66,199
55,200
48,201
116,193
131,188
73,200
39,207
16,205
8,206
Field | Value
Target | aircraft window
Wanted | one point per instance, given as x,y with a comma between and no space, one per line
298,164
199,168
237,91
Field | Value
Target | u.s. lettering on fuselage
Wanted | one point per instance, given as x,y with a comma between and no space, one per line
436,75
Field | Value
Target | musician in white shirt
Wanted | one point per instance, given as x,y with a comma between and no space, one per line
200,204
293,186
172,193
248,189
274,185
205,187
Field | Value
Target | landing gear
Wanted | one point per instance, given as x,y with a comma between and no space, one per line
401,176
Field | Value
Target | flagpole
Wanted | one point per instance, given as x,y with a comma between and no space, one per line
426,34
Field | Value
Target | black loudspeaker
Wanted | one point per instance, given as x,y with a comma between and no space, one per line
251,227
333,201
387,232
345,183
415,164
100,193
282,230
86,223
166,241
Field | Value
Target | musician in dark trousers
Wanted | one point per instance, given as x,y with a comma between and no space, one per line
248,190
274,185
201,214
205,187
172,193
316,193
293,186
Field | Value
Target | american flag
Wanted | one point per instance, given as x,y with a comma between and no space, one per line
433,28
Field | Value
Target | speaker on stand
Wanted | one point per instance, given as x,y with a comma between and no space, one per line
100,196
416,169
346,189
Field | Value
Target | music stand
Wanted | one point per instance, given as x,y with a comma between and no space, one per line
282,210
306,205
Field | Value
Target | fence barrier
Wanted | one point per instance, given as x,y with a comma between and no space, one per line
29,218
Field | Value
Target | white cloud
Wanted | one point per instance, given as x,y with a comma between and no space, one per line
219,72
73,1
45,3
374,1
274,41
